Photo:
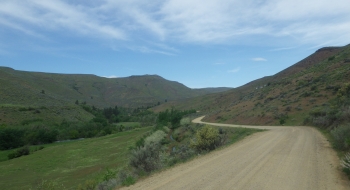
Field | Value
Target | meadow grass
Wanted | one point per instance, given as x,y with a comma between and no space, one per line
69,163
129,124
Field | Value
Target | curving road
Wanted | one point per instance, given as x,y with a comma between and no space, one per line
294,158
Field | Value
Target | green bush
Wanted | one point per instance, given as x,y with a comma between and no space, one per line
331,58
19,152
87,185
282,121
155,138
128,181
140,143
207,138
110,174
185,121
341,136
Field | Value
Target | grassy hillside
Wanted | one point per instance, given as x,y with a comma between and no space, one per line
69,163
288,95
52,97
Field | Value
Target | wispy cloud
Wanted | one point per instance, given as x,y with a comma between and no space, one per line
259,59
219,63
56,15
234,70
287,22
283,48
145,49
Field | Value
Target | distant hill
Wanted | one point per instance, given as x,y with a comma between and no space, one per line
56,94
294,92
204,91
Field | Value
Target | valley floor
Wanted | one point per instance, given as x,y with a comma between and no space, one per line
280,158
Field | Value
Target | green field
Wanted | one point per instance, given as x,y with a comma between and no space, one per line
70,163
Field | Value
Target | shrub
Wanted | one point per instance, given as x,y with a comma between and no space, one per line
346,164
331,58
322,121
183,152
140,142
146,158
107,185
19,152
185,121
155,138
207,138
128,181
282,121
341,137
346,161
87,185
110,174
343,94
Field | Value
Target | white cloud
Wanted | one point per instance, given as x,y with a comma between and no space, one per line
234,70
259,59
111,76
56,15
287,22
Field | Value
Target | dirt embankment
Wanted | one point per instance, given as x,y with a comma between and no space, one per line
294,158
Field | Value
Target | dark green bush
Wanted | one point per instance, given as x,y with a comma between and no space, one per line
11,138
331,58
341,136
19,152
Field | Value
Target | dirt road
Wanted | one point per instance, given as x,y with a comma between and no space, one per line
296,158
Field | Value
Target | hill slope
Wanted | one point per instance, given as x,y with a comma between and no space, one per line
290,94
55,94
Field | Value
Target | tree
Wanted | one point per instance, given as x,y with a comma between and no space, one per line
11,138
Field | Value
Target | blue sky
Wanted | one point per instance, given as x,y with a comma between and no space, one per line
209,43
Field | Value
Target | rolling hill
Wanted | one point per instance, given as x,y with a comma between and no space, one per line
52,97
290,94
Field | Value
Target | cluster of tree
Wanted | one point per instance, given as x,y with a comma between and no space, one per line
120,114
16,137
13,137
173,117
102,124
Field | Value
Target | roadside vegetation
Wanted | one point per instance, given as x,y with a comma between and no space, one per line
115,148
174,139
334,118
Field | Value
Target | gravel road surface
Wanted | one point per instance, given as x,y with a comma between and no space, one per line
295,158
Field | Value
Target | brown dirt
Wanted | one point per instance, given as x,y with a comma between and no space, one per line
280,158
